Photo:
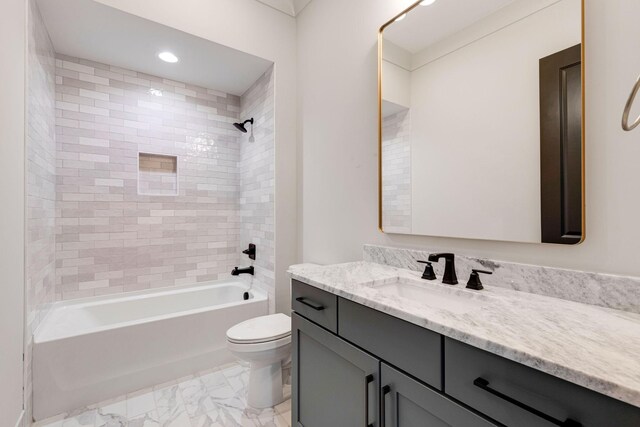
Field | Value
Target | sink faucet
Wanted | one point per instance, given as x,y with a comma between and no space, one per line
449,277
238,271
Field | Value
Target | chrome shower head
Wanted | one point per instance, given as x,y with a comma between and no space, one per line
241,127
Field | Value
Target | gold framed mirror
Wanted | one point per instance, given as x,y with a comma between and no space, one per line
481,120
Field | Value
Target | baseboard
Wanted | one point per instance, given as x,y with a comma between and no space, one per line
20,422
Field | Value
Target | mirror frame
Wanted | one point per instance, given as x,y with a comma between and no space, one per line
584,114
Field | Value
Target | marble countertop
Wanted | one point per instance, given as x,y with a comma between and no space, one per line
595,347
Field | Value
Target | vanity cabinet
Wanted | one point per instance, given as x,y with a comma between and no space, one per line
337,384
357,366
417,350
517,395
409,403
334,383
316,305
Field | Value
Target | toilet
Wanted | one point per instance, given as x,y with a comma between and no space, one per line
265,343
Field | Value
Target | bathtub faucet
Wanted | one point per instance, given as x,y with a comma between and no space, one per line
238,271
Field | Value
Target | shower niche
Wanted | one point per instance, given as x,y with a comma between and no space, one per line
157,174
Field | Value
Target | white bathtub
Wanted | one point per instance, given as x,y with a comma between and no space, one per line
99,348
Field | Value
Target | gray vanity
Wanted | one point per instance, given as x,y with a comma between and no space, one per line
357,362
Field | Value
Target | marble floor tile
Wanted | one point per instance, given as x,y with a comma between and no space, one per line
215,398
140,404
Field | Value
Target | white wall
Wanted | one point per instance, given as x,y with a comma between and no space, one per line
337,76
12,214
396,74
396,82
257,29
478,108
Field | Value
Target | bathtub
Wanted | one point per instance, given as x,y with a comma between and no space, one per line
98,348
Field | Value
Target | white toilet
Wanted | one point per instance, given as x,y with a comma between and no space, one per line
264,342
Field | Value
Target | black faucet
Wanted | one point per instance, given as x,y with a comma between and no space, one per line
238,271
449,277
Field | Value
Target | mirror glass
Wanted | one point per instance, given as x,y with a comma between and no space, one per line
481,121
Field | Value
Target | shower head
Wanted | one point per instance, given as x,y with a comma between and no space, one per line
240,126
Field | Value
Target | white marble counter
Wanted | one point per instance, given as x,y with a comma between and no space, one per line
595,347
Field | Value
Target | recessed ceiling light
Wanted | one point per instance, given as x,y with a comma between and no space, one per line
427,2
401,17
168,57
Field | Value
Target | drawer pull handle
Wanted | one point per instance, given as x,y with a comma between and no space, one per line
368,380
484,385
315,306
385,391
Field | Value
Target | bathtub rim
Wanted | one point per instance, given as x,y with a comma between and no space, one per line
258,296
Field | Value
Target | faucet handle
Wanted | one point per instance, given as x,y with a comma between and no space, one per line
474,279
428,274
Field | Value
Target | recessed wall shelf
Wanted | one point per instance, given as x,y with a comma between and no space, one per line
157,174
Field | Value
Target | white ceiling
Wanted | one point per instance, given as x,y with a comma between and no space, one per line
426,25
290,7
90,30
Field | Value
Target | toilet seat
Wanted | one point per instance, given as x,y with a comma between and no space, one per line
260,330
258,347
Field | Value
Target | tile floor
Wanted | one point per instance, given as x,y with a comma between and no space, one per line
215,398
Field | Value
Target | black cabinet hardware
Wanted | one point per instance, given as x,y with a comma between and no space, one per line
383,405
428,274
474,280
367,381
484,385
315,306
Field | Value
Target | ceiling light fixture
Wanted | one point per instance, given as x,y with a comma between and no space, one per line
427,2
168,57
401,17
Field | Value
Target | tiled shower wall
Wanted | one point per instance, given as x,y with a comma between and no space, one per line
109,237
257,176
396,172
41,194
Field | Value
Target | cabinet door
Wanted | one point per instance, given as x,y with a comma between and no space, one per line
409,403
334,383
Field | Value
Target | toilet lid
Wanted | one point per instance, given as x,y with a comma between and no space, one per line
261,329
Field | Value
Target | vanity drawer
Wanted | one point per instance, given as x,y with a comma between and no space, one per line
474,376
315,304
408,347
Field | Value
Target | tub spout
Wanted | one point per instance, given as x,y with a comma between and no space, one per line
238,271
